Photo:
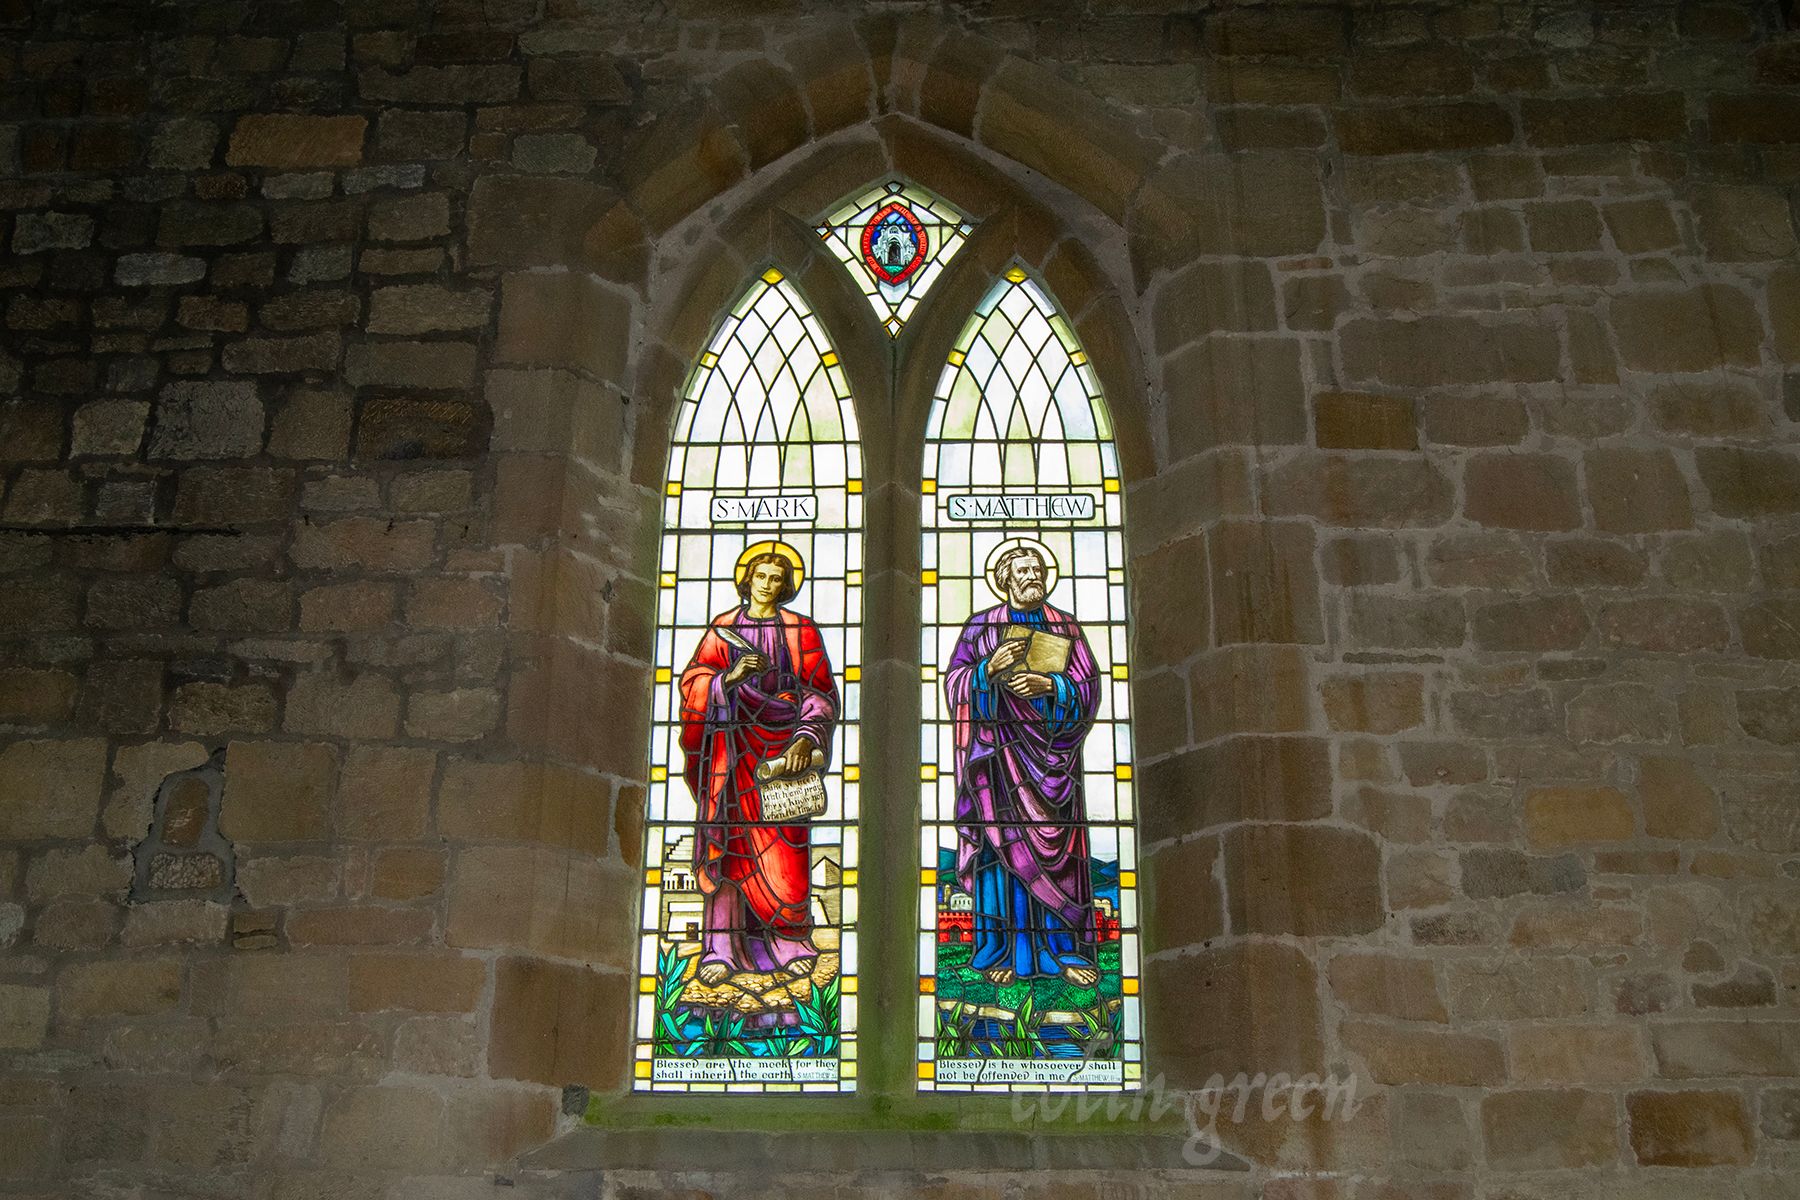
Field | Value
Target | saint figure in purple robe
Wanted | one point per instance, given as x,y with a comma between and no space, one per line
1021,820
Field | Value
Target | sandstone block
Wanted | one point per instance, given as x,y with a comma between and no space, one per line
1358,491
1696,329
1493,872
1767,118
278,791
1307,881
387,1128
365,706
385,792
1538,624
53,788
135,987
1387,985
455,715
1521,491
24,1016
1636,491
1538,1129
1272,980
1423,128
1744,482
1374,703
1238,778
558,1024
1188,909
1436,351
1706,1049
411,364
1566,816
538,899
1400,1055
1574,121
1668,625
1359,421
1265,587
291,141
1578,1054
1690,1129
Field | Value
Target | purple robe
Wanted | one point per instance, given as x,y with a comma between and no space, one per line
1018,768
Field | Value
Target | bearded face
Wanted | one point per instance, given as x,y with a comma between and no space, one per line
1025,581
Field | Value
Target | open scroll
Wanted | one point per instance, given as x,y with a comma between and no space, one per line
788,798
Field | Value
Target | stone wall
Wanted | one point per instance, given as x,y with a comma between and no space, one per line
1456,350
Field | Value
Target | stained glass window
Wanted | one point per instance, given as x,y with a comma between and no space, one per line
747,967
895,239
1028,940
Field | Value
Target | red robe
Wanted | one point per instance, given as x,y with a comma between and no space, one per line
725,733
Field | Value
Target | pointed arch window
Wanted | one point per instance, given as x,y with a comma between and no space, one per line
1027,962
747,946
1028,941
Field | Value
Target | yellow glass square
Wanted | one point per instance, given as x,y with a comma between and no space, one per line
928,772
674,488
927,1070
852,674
927,673
664,675
653,876
957,357
928,577
709,359
668,579
1015,275
659,774
852,774
849,880
771,276
1129,986
646,984
1127,879
928,486
1122,771
928,985
1121,671
1078,357
853,578
1115,575
855,487
829,358
641,1070
927,877
847,985
1111,485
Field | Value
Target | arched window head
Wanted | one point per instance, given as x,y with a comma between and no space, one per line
747,958
1028,943
895,239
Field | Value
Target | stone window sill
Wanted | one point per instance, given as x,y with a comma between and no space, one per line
776,1154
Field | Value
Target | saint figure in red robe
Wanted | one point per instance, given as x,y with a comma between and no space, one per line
759,689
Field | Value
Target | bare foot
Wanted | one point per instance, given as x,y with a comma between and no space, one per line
1081,976
712,974
801,966
1000,975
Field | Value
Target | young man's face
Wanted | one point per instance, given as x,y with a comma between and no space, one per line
766,582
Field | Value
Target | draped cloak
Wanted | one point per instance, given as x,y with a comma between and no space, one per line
1018,767
725,733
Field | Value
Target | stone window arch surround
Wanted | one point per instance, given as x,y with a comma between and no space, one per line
693,271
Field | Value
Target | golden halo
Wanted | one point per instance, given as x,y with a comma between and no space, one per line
771,547
1020,543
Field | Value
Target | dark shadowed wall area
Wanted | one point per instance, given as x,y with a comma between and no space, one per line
1456,356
